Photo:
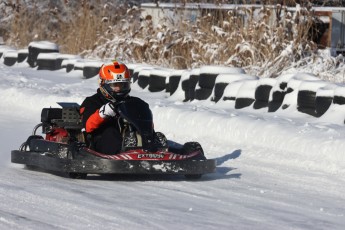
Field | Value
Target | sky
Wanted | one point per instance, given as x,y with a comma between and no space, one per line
277,170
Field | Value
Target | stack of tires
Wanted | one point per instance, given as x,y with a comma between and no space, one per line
246,94
231,91
47,61
158,80
135,70
278,92
4,48
339,96
324,98
35,48
292,90
62,57
306,99
262,92
222,82
190,86
207,79
174,81
22,55
91,68
10,57
68,64
144,77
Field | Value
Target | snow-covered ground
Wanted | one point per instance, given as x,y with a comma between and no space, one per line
282,170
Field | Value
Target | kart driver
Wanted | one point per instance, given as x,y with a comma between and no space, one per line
100,121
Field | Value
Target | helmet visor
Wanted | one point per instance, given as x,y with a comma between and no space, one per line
119,87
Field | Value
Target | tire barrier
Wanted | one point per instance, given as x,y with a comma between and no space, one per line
207,79
79,64
246,94
229,86
158,80
136,68
61,57
68,64
143,78
262,92
339,96
219,88
323,100
91,68
35,48
192,83
292,89
4,48
22,55
278,92
285,92
47,61
222,83
173,81
307,95
10,57
231,90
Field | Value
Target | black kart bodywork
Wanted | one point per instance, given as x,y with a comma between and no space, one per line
65,147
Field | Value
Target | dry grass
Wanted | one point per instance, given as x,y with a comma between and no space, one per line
262,41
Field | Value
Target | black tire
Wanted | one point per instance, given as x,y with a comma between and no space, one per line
34,52
229,98
185,88
135,76
202,93
173,84
143,81
46,64
156,83
193,176
190,147
241,103
277,101
207,80
193,81
69,67
73,175
339,100
262,93
22,57
260,104
219,91
322,104
306,102
90,71
10,61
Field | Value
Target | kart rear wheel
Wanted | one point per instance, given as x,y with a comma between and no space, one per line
77,175
193,176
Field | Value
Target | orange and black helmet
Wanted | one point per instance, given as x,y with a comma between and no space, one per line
114,75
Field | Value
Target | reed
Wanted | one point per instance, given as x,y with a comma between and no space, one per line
261,40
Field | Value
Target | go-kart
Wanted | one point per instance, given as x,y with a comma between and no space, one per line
64,147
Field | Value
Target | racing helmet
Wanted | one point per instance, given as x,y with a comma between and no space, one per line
114,81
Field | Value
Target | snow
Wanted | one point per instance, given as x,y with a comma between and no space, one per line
46,45
23,51
212,69
281,170
10,54
47,56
